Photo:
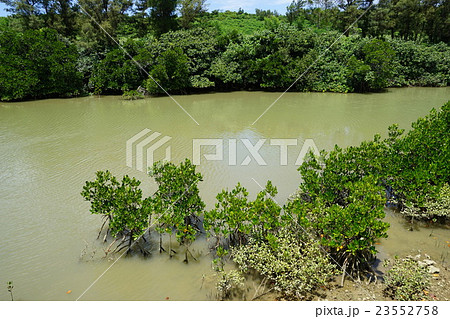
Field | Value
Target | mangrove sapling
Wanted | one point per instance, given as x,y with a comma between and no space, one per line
101,194
219,262
10,287
265,213
235,219
229,221
419,165
347,230
131,214
121,203
177,203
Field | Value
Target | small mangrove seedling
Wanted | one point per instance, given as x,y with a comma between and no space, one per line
10,287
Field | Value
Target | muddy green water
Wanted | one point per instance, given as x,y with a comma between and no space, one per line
49,148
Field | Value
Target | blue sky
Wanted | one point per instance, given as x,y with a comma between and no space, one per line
249,5
233,5
2,10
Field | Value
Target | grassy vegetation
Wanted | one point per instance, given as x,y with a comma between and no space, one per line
230,21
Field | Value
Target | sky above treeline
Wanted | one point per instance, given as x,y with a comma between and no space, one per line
232,5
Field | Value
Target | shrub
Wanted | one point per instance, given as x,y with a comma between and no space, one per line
433,208
200,47
418,161
132,95
420,64
412,167
406,280
293,263
441,206
347,225
229,284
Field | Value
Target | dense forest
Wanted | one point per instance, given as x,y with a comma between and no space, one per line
51,48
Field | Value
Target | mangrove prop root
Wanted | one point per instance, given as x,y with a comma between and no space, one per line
101,229
161,248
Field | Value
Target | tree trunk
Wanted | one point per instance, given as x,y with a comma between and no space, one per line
161,249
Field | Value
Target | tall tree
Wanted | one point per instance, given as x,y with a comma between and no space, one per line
437,22
162,15
189,10
294,10
36,14
408,17
106,13
141,15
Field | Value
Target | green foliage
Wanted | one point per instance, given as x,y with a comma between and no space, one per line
100,193
94,33
55,14
357,72
265,213
406,280
411,167
229,222
378,56
199,46
229,21
411,19
420,64
171,73
434,207
224,50
117,73
345,216
132,95
4,22
235,219
121,204
440,206
177,203
292,262
229,284
131,213
190,10
418,167
37,64
162,15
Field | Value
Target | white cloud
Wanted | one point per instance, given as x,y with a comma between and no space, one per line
232,5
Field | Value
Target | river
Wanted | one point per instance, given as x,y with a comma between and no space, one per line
49,148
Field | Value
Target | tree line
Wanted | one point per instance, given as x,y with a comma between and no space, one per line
187,49
407,19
